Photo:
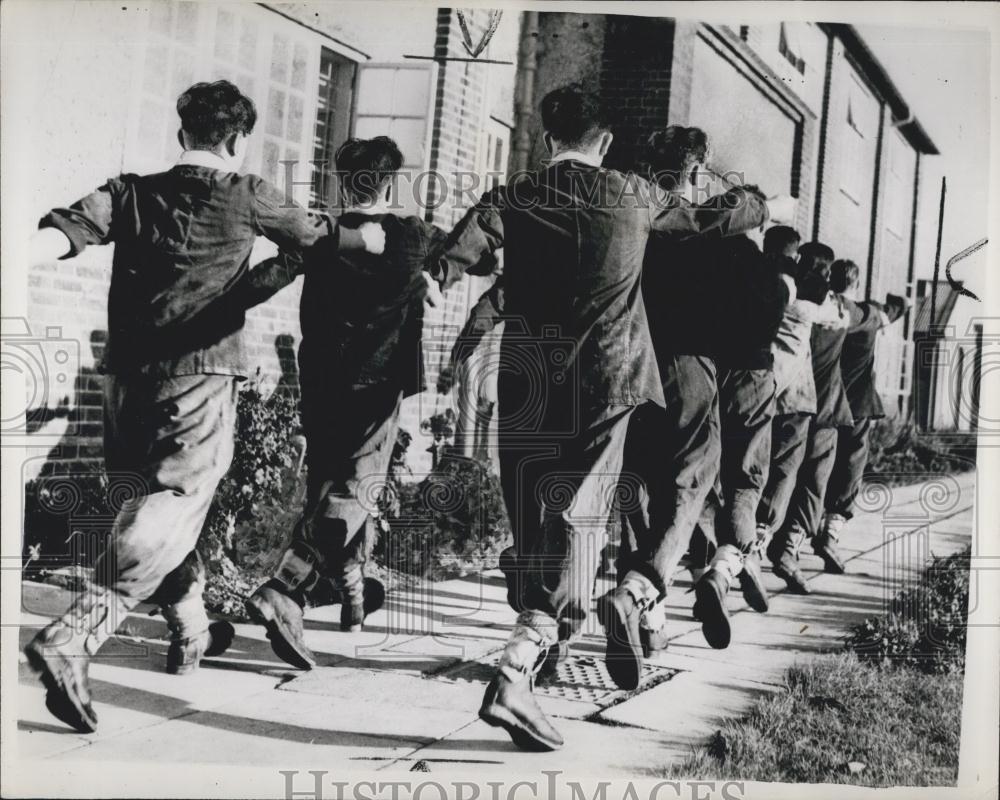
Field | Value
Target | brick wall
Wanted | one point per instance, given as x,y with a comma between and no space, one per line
636,83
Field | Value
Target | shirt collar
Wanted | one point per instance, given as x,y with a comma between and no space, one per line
202,158
576,155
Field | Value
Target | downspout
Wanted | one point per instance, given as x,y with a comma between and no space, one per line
524,92
873,234
823,122
907,332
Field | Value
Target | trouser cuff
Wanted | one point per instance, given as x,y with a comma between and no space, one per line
186,619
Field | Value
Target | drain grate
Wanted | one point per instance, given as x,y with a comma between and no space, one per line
581,678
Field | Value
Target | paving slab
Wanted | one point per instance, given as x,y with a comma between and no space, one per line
408,688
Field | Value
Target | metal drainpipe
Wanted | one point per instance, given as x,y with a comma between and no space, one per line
524,92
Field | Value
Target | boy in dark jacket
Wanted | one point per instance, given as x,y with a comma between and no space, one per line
176,310
362,320
755,289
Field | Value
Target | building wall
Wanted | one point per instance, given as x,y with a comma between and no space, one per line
849,163
146,54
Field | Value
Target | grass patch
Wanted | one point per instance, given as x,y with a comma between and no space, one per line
902,725
888,712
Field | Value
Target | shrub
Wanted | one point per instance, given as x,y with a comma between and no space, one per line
899,454
450,523
926,625
68,518
259,500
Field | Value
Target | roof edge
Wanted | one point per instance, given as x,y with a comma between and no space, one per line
903,117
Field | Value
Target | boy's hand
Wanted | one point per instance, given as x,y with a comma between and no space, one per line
781,209
434,297
374,235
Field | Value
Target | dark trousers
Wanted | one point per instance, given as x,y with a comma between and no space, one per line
174,436
673,456
746,406
789,437
848,468
560,494
350,436
805,511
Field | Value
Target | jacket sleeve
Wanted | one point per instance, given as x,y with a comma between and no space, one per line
735,211
289,225
471,245
89,220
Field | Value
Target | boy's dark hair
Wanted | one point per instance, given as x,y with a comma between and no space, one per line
673,152
573,115
781,240
815,254
365,166
844,275
212,112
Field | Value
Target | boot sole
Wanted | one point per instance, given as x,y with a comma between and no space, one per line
63,704
623,656
282,643
497,716
831,566
711,610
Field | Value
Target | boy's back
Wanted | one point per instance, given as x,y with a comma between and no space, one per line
362,316
182,240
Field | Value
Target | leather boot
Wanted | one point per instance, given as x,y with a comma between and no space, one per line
620,611
509,702
281,614
710,596
61,654
751,579
359,605
784,555
184,655
825,543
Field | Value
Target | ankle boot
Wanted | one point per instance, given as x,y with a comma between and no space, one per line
710,596
825,543
184,655
357,605
61,655
620,612
784,555
281,614
751,580
509,702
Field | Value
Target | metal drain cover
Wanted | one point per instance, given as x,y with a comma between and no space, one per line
581,678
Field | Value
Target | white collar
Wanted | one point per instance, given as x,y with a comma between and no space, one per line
203,158
576,155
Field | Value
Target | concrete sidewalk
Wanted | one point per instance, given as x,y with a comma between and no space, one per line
404,694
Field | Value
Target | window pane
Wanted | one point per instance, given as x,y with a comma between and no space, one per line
157,65
299,65
269,170
160,19
248,44
187,22
152,121
225,36
183,71
375,91
409,96
279,59
294,117
276,112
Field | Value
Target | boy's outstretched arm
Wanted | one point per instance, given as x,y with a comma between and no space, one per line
738,210
65,232
471,246
265,279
